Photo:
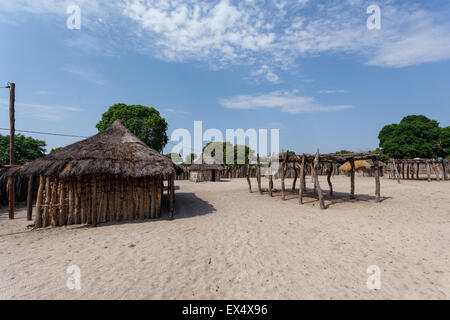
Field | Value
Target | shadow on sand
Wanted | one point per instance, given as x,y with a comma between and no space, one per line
187,205
338,197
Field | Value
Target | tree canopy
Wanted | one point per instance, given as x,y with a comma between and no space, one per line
190,158
25,149
53,150
415,136
343,152
233,152
144,122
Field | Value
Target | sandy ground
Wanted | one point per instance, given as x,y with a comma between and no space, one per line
228,244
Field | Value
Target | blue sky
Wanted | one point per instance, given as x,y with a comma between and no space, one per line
310,68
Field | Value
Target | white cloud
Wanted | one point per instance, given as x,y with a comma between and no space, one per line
267,73
287,102
333,91
87,74
269,36
175,111
44,111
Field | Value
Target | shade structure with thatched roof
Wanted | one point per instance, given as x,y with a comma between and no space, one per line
111,176
205,168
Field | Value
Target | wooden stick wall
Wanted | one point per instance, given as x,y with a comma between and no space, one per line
96,199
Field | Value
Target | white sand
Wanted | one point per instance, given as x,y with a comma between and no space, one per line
228,244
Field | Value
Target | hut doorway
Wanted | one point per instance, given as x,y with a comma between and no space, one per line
213,176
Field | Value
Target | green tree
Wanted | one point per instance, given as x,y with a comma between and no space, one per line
233,151
343,152
442,147
144,122
25,149
190,158
415,136
53,150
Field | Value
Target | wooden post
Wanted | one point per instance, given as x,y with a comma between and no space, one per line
54,202
258,174
444,169
11,190
172,197
302,180
248,178
417,171
38,212
153,198
435,170
94,202
352,179
329,179
283,175
270,178
316,180
71,209
45,218
397,174
78,205
295,177
428,171
141,199
159,197
30,198
62,204
11,201
407,170
403,169
377,179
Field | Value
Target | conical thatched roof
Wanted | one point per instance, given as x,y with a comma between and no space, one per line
205,162
113,151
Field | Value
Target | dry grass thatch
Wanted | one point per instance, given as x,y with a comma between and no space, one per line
114,151
359,164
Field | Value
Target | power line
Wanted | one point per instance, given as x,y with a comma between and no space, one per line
47,133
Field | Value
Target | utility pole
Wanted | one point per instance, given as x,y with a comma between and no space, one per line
12,98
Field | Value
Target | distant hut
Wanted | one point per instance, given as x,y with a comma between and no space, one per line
205,169
111,176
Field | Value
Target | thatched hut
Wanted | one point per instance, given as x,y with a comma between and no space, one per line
205,168
111,176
